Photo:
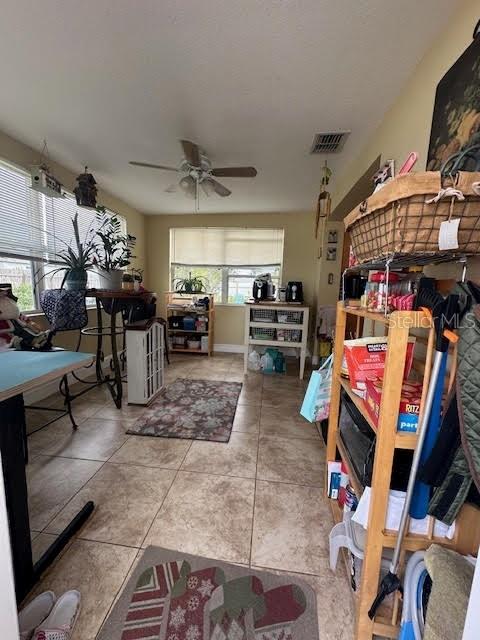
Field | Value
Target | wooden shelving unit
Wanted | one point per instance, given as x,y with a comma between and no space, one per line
183,304
398,325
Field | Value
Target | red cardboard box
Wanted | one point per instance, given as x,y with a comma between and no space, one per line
409,403
365,357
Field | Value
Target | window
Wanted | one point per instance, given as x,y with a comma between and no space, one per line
228,260
33,228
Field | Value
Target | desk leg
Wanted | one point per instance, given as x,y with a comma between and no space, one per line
12,424
13,460
116,388
99,354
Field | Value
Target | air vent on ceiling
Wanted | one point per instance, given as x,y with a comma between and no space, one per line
329,142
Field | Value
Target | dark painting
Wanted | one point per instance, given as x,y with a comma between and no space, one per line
456,115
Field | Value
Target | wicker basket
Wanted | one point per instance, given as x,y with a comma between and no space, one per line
398,221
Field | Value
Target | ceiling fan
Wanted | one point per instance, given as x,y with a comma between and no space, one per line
198,172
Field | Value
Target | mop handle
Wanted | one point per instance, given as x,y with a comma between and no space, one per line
416,459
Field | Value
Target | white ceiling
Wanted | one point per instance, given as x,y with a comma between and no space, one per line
107,81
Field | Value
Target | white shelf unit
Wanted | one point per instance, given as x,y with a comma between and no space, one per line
276,310
145,354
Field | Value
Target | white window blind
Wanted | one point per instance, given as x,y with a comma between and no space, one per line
34,226
226,247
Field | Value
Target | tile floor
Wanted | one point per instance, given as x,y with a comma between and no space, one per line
255,501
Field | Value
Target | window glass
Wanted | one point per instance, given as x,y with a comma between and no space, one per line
19,273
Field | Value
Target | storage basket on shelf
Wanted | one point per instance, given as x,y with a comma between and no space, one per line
264,315
260,333
404,217
290,317
289,335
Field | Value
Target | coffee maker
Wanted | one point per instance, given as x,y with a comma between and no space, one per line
263,288
294,291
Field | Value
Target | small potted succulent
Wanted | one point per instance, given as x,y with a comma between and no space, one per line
189,285
113,252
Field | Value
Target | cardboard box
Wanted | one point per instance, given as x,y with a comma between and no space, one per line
365,357
409,403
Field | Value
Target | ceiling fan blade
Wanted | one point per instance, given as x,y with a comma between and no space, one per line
234,172
220,189
152,166
192,152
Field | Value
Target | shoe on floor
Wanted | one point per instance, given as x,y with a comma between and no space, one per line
32,616
62,618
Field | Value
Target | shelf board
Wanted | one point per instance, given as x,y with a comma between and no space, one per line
277,325
412,319
403,260
186,331
353,478
276,343
403,440
180,350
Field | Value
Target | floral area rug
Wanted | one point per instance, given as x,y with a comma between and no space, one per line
192,409
175,596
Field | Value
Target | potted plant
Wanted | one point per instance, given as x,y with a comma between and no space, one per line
189,285
127,282
75,261
113,252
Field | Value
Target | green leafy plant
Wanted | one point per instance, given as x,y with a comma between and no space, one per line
115,249
79,258
189,285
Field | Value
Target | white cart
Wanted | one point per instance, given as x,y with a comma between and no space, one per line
280,325
145,360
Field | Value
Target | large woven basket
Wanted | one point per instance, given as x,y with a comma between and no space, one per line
398,221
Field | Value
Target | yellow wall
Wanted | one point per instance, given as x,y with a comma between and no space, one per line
406,126
299,261
22,155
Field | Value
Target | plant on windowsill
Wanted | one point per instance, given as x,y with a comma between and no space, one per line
189,285
113,252
75,261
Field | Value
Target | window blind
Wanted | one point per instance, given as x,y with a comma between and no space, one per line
35,226
226,247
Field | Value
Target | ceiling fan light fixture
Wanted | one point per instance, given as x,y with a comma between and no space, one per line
207,187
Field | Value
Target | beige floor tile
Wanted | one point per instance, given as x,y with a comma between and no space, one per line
152,452
247,418
335,604
96,570
126,499
128,412
281,399
41,543
286,422
291,460
291,527
251,396
283,382
206,515
51,484
95,439
238,457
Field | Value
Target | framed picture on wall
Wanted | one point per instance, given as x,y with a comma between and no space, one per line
456,114
331,254
332,237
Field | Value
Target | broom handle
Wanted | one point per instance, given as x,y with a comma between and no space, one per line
422,431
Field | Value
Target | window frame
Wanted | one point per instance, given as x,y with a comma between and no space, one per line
226,271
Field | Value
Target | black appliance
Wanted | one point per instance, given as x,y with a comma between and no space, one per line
260,289
359,440
294,292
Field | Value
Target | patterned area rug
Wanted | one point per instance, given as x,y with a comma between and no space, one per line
192,409
175,596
